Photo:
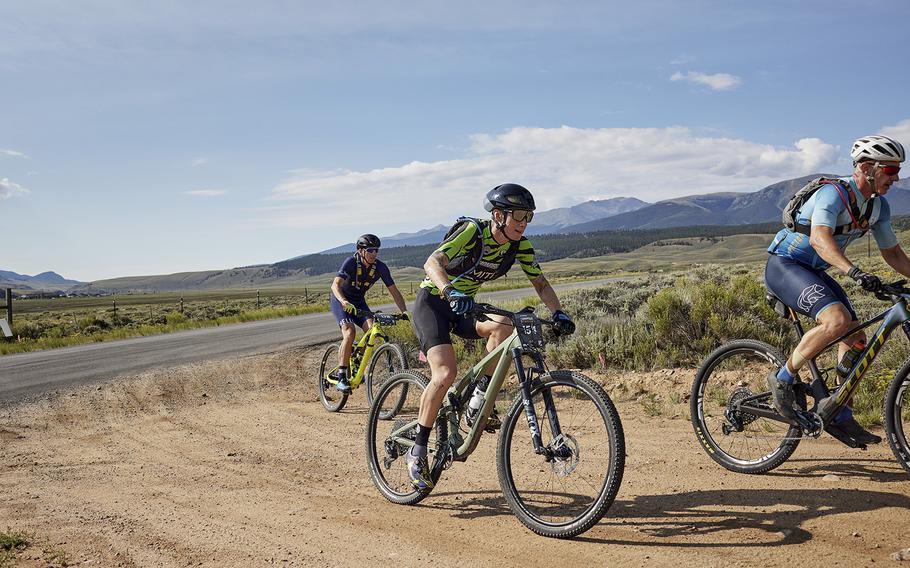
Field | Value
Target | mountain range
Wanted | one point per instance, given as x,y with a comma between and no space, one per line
45,282
724,208
545,222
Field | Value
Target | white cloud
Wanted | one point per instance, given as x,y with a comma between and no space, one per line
900,132
205,192
10,189
717,81
13,153
561,166
199,162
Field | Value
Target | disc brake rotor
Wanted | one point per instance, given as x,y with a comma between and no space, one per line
566,455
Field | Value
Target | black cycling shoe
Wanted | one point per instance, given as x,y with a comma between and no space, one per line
493,422
783,398
343,385
851,428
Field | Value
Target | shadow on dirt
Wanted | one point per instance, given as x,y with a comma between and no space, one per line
878,470
749,518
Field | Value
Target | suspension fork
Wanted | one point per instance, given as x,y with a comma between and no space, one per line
524,382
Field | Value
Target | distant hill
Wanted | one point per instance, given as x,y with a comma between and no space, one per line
554,220
545,222
426,236
45,282
723,208
697,216
404,260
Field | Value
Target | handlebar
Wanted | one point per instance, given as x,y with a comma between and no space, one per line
893,291
382,318
480,311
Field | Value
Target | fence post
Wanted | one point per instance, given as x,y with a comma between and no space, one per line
115,307
181,304
257,299
9,306
306,296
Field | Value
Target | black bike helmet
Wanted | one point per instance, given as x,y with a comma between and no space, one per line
509,196
368,241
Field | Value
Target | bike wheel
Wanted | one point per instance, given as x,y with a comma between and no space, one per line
569,494
896,415
388,359
739,441
388,441
332,399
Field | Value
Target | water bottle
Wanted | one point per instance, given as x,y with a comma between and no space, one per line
849,359
480,392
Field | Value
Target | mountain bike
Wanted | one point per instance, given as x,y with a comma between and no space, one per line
373,359
559,476
731,406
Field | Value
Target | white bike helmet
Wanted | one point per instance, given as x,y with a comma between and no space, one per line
877,149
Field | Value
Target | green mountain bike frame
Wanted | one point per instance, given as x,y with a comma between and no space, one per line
525,340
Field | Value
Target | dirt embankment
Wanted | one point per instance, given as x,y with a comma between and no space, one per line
237,464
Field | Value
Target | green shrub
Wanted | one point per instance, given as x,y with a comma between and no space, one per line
175,318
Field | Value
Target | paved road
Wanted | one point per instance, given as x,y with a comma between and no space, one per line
29,374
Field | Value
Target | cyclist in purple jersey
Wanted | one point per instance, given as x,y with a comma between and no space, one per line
347,299
825,225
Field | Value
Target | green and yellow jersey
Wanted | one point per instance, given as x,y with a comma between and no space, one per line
497,259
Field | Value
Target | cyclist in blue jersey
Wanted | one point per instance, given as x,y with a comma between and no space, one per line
347,300
836,214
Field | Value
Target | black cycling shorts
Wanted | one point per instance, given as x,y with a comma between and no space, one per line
434,321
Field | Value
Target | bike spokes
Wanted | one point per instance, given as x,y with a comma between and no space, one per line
566,484
732,410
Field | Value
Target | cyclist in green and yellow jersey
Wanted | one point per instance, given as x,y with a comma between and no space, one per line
473,253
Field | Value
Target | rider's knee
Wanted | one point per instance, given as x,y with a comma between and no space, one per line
443,376
498,334
836,320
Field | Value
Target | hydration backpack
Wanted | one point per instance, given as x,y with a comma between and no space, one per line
469,264
858,220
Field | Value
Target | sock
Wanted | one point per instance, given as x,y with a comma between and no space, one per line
844,415
784,376
423,435
342,372
418,451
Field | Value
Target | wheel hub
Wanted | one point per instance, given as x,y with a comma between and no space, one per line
566,455
736,418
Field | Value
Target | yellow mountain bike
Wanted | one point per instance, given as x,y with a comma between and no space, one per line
373,360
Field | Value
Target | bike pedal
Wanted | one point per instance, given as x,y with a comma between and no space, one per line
843,437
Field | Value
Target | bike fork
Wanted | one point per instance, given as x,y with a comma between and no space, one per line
531,414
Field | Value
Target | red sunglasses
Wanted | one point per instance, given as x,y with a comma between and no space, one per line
888,170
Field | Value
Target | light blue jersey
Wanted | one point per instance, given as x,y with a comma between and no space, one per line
826,207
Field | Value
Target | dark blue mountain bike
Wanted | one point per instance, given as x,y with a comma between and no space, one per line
731,406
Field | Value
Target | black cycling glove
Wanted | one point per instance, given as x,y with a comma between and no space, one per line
562,323
869,282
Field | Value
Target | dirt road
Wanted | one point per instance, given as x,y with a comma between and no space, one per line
235,463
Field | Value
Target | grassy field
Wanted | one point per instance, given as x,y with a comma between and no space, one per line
59,322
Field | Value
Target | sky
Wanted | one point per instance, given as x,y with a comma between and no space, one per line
158,137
